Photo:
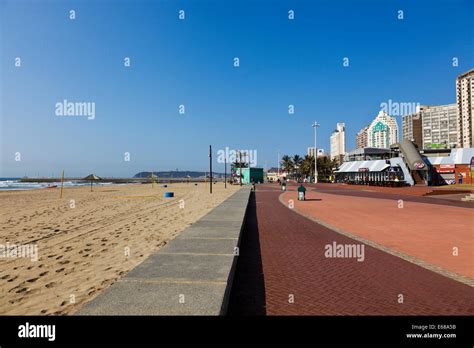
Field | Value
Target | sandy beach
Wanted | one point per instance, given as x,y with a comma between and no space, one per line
87,240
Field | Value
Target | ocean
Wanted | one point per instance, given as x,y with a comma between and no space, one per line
16,184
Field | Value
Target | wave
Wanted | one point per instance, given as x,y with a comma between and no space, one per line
18,185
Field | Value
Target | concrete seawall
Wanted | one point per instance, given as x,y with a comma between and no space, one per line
191,275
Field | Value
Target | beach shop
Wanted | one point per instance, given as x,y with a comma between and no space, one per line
248,175
377,172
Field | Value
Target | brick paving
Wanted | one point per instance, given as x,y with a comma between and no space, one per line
408,194
423,231
293,266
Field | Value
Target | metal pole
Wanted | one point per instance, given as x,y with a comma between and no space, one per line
315,157
278,164
225,171
210,168
240,166
315,125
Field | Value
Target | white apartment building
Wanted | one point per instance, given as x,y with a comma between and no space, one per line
439,126
383,131
361,138
465,108
338,142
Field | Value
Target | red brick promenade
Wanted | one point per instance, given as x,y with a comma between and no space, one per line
282,259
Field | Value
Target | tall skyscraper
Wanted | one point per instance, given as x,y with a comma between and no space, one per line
465,108
383,131
439,124
338,142
361,138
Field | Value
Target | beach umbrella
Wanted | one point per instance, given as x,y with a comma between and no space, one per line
91,178
152,177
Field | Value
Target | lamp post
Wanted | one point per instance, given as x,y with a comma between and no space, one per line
315,125
240,167
210,168
278,163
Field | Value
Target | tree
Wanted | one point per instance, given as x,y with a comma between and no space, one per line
307,166
297,161
326,167
287,164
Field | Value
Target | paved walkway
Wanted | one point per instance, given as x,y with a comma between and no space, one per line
423,231
295,278
191,275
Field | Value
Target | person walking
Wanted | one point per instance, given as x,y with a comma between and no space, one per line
301,193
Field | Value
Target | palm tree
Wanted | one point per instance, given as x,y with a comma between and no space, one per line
326,167
287,164
307,166
297,161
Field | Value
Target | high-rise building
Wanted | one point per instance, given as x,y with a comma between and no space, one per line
338,142
412,128
465,108
383,131
439,126
361,138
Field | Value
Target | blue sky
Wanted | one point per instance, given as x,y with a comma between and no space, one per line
190,62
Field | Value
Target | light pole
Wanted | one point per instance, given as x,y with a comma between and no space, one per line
278,163
210,168
240,166
315,125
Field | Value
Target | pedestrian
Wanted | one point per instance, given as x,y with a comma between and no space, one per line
301,193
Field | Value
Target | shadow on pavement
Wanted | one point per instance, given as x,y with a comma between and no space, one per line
247,296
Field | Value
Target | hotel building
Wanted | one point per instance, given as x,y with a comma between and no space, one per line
383,131
361,138
338,142
465,108
439,126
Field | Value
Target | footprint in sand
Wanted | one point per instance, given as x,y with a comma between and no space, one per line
32,280
43,274
60,270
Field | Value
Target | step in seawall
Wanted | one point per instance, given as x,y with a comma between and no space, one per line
191,275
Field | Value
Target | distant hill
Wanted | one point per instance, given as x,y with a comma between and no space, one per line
177,174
